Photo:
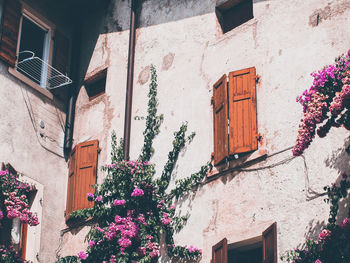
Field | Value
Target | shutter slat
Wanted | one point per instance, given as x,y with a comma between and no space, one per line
71,178
219,252
9,31
220,120
270,244
242,111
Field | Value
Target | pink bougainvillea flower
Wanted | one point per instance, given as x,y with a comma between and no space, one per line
118,202
324,235
137,192
1,215
98,199
82,255
91,243
318,261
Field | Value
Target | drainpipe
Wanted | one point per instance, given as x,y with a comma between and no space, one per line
73,88
130,79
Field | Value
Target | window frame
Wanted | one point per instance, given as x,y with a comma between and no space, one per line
44,24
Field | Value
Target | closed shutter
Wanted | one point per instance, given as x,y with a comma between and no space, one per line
270,244
82,175
219,252
86,173
71,177
242,111
220,119
61,53
9,31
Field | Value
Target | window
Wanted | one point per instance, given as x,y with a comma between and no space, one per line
233,13
234,110
95,85
29,43
82,169
256,250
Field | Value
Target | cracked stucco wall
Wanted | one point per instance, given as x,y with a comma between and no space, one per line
184,41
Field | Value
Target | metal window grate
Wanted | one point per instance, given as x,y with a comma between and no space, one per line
41,72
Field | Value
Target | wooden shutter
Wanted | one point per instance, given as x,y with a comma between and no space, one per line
242,111
23,242
86,164
219,252
9,31
82,175
270,244
61,53
220,119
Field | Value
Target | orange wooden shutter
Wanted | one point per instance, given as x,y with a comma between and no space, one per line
9,31
86,168
242,111
270,244
219,252
220,119
61,54
23,242
71,177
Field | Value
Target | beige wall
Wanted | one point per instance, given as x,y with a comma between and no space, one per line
183,40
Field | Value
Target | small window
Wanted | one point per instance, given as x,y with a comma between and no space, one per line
233,13
261,249
96,84
34,41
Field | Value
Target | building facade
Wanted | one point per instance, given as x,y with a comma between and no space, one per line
216,60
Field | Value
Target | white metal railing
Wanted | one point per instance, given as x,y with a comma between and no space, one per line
41,72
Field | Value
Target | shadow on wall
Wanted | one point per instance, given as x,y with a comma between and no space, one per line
340,161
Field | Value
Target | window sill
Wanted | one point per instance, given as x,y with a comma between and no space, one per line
30,83
233,165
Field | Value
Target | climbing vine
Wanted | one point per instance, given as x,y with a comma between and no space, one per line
133,212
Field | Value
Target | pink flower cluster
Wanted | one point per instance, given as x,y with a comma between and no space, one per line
166,220
17,207
118,202
324,235
345,223
314,115
193,249
153,247
137,192
82,255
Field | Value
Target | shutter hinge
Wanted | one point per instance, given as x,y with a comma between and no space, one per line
212,100
212,156
99,150
259,137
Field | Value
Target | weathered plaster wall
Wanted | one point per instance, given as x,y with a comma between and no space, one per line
35,151
184,41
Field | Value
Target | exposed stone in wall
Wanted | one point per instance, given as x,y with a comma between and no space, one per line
332,9
144,75
168,61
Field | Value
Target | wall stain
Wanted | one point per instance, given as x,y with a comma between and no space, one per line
255,27
168,61
144,75
327,12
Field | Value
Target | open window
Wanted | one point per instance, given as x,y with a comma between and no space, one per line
235,115
95,84
82,171
233,13
262,249
27,44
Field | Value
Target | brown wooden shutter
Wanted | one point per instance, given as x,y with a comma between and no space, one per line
23,242
71,177
85,173
61,53
220,119
242,111
219,252
82,169
270,244
9,31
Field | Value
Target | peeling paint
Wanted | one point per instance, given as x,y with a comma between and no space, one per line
168,61
327,12
144,75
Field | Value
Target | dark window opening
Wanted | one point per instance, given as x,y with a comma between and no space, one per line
96,85
233,13
247,254
32,39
